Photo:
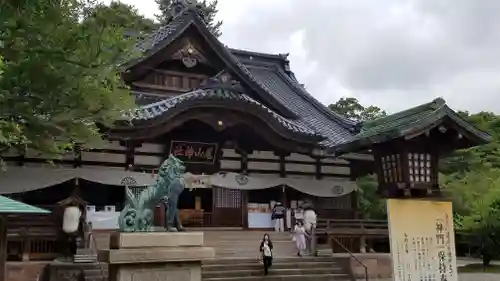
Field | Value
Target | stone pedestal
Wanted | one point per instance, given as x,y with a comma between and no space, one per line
151,256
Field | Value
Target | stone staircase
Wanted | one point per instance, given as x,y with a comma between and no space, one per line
241,244
283,269
237,259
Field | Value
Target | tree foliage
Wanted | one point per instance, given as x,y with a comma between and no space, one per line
60,74
120,15
476,200
352,109
369,202
209,8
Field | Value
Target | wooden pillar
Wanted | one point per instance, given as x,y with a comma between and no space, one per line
3,248
284,199
286,205
244,194
244,208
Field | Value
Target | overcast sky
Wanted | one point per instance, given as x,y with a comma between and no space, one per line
390,53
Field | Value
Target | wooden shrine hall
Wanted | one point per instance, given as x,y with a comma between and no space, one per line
243,119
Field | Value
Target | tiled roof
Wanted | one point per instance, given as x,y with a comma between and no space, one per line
294,98
410,121
154,110
269,74
9,206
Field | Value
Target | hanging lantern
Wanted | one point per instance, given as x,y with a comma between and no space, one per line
71,219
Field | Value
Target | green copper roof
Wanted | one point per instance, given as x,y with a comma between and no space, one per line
9,206
411,121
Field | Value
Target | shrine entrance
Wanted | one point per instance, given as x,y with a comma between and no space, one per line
228,207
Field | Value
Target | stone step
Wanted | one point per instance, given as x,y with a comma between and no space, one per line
96,274
275,271
313,277
294,259
276,265
253,252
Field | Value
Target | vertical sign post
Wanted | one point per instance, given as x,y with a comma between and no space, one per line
422,240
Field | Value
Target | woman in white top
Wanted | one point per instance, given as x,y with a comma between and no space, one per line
266,248
299,236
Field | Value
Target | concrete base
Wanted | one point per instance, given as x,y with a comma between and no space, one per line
155,256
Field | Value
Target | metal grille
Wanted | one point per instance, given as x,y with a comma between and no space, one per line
227,198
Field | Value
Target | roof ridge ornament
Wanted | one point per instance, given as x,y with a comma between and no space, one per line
198,8
178,6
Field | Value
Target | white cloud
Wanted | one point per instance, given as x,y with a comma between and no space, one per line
391,53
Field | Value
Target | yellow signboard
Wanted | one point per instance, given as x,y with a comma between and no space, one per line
422,240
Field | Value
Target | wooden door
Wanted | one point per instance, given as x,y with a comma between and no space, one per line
227,209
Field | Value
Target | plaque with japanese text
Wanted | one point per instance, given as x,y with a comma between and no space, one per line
422,240
194,152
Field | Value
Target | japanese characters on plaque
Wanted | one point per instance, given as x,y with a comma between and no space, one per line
422,241
194,152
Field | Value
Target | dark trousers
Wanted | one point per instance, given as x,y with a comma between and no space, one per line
268,261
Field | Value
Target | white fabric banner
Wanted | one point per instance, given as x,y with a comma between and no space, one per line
103,220
319,188
26,178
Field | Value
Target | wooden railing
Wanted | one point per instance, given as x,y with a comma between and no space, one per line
32,238
351,254
353,235
353,227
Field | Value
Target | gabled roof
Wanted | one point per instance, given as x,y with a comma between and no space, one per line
267,74
163,109
9,206
410,122
190,17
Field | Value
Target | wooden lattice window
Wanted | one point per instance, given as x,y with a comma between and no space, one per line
227,198
391,168
419,165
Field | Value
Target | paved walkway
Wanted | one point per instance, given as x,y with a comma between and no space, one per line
464,277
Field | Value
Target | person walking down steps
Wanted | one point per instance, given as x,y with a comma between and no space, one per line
278,213
299,236
266,249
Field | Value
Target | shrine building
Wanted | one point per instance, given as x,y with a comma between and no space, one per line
241,117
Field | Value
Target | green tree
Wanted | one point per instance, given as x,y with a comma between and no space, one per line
120,15
369,201
459,162
476,198
61,75
352,109
209,8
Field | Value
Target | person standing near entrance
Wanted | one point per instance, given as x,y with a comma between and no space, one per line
266,249
278,213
